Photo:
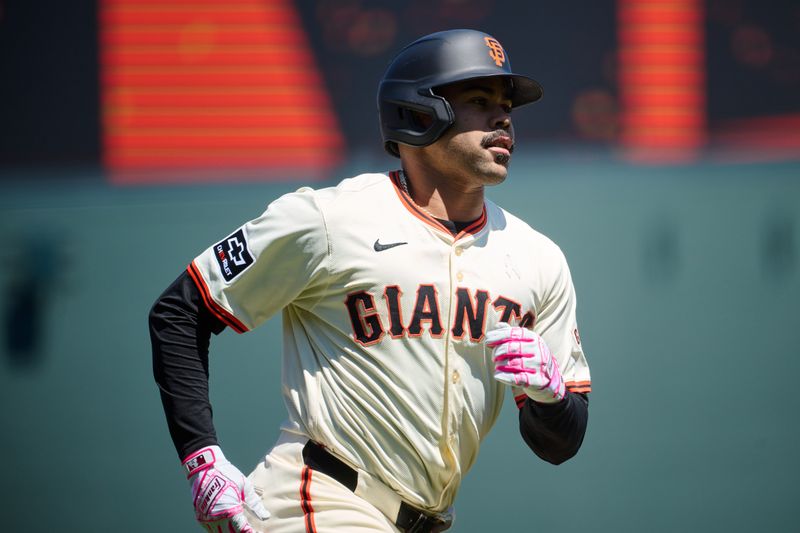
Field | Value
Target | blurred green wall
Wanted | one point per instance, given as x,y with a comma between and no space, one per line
688,281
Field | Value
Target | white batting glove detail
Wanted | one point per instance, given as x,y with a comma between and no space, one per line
522,359
221,493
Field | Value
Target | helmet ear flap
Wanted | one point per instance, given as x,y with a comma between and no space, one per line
414,119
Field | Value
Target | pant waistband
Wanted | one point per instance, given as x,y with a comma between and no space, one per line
408,518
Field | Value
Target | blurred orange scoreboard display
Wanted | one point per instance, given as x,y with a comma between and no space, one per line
202,90
661,79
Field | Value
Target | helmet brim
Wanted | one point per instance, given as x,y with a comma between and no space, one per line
525,90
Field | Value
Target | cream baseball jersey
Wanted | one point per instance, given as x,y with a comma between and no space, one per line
384,312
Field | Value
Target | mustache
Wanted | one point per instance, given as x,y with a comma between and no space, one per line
490,138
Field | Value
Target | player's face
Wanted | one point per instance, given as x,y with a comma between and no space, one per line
477,148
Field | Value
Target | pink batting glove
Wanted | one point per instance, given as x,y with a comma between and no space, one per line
221,493
522,359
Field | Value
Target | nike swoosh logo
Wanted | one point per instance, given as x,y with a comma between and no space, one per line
381,247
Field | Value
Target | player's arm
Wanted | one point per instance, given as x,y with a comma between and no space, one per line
551,377
180,332
240,281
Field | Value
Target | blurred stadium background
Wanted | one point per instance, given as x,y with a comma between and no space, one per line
664,159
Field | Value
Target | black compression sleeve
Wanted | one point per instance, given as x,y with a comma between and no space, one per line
555,431
180,333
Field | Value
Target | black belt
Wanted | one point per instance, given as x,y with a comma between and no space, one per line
409,519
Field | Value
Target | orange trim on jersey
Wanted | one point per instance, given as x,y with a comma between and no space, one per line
476,226
305,501
211,304
579,386
572,386
418,212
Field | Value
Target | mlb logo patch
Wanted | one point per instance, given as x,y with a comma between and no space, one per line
196,463
233,255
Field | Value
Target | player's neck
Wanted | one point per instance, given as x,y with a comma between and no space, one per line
442,198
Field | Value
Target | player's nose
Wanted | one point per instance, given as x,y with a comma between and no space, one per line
502,120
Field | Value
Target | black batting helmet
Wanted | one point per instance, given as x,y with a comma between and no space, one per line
432,61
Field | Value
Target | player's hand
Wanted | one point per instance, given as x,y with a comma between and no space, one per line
221,493
522,358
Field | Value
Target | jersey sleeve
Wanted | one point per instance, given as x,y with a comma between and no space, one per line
557,324
265,264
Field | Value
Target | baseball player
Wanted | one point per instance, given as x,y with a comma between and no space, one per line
410,303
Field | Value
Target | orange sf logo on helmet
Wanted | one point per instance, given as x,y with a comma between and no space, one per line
496,51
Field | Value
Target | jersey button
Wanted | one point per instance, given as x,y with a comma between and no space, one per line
459,251
456,376
460,276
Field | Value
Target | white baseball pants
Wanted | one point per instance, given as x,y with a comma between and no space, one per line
305,501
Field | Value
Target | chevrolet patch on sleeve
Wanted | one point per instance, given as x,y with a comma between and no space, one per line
232,255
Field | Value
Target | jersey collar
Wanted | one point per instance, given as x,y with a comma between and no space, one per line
425,217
